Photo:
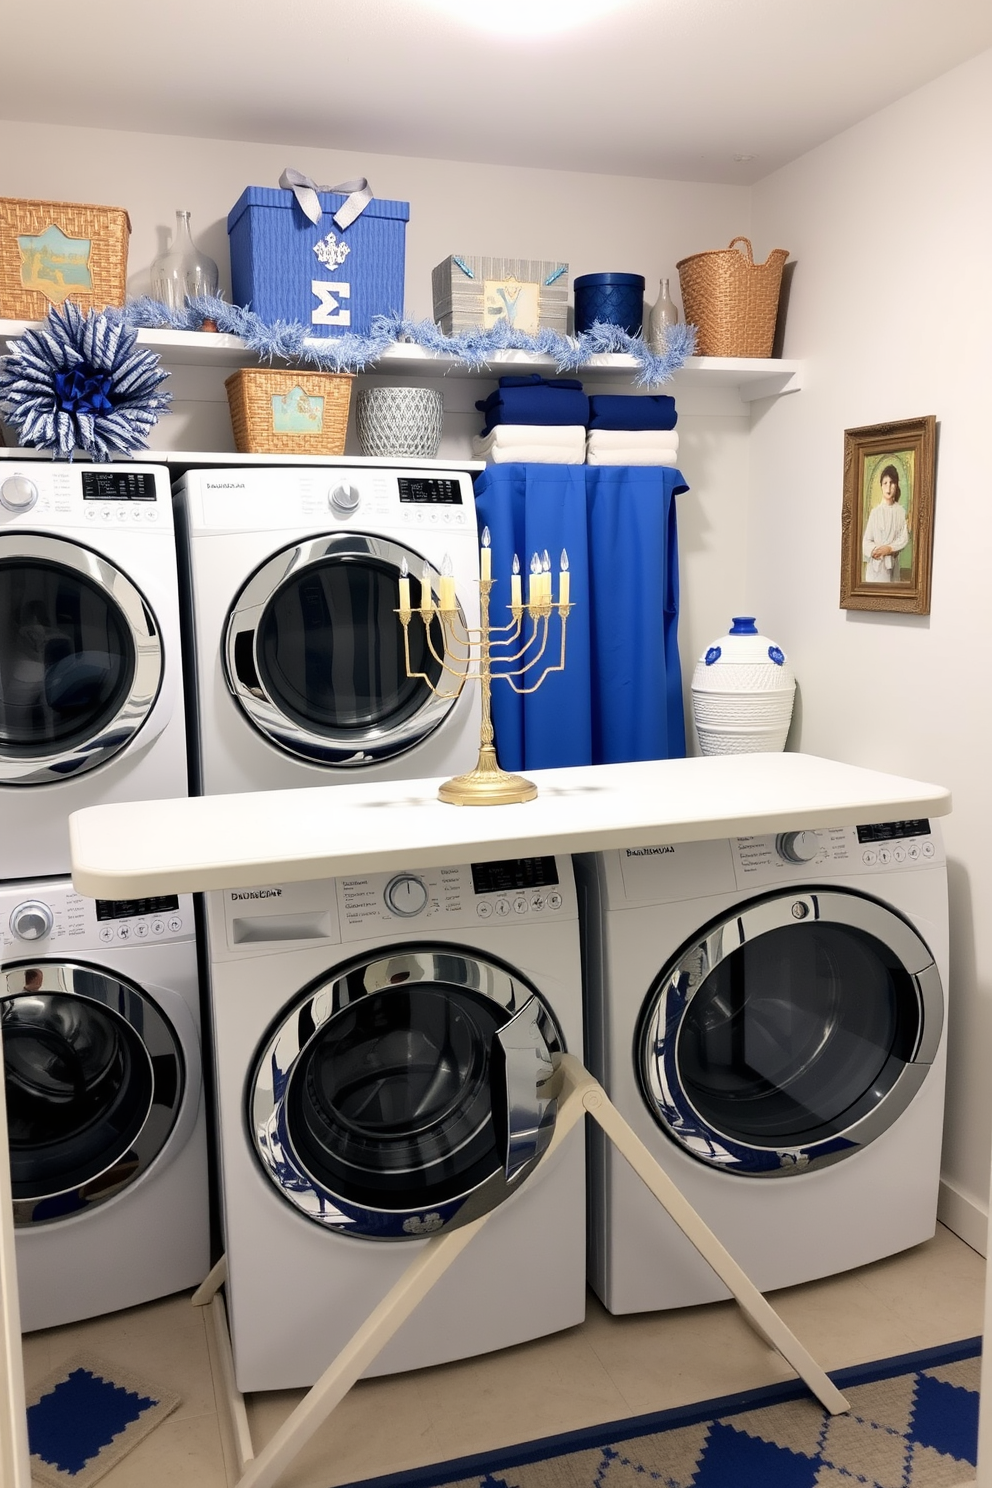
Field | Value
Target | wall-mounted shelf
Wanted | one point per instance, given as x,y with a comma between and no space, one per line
753,377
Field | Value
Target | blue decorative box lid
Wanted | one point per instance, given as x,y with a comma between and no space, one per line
590,281
330,201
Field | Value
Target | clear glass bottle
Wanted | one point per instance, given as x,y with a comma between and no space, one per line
183,271
663,313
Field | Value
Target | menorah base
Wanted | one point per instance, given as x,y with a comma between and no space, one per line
487,785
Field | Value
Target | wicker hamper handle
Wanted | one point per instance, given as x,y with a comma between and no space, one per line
731,300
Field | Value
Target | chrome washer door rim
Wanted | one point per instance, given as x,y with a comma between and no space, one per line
239,651
161,1048
117,732
302,1022
656,1041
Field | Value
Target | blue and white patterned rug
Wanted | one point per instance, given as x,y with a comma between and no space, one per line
913,1423
87,1415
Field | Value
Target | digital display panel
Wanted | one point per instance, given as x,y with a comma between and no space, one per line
118,485
130,909
426,490
892,831
514,873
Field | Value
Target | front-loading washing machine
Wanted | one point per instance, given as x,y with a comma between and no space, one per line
303,674
99,1012
385,1049
768,1013
91,696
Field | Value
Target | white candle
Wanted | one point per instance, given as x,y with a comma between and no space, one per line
404,595
545,577
534,587
486,555
447,588
426,593
563,579
516,586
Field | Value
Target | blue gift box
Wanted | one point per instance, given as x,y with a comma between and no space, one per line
331,279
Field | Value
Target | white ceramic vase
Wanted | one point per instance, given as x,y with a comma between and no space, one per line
743,689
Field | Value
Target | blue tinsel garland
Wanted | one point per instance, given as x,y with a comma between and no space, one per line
353,353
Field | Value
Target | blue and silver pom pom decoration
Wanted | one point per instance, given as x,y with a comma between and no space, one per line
78,383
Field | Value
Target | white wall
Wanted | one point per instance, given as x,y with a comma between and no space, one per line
890,225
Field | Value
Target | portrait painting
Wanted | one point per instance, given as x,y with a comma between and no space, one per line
887,523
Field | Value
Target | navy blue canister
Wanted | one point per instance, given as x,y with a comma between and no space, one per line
616,299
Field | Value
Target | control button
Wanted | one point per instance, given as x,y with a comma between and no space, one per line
141,929
31,920
18,494
158,927
502,907
869,856
913,852
797,847
484,909
929,850
136,514
899,855
91,514
520,905
122,514
106,513
554,900
106,933
124,931
405,895
885,856
175,922
537,902
345,498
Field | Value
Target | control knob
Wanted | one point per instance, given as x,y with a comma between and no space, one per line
344,499
797,847
405,895
18,494
31,920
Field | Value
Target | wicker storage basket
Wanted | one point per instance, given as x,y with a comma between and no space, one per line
283,411
731,300
51,252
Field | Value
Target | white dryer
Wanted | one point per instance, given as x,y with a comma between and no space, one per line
91,698
293,587
384,1045
768,1013
105,1109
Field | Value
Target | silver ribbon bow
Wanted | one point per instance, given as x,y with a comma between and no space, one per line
359,194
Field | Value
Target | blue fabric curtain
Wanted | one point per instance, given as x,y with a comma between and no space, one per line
620,695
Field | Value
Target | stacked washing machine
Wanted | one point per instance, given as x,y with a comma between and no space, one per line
384,1046
99,999
769,1015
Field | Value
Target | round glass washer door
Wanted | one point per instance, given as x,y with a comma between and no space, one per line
405,1094
314,652
80,659
790,1033
94,1077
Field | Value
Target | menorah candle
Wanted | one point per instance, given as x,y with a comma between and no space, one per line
545,577
486,556
516,586
426,594
404,590
535,585
447,594
563,578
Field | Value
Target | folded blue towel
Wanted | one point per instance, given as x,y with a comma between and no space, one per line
630,411
534,400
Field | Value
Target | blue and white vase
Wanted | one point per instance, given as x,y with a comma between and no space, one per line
743,689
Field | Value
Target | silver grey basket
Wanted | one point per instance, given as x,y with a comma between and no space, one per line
399,421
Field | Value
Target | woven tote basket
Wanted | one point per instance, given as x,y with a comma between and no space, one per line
731,300
283,411
51,252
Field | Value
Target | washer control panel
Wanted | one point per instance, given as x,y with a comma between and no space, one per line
504,891
48,917
52,495
366,498
871,848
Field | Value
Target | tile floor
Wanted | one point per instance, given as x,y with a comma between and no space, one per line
605,1369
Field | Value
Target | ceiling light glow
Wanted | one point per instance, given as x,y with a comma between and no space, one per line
513,19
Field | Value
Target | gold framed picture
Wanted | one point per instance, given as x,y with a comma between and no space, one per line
887,518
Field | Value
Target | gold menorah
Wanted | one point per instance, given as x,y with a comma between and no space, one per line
467,654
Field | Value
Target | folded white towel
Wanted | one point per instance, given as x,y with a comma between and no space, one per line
507,435
631,457
537,454
634,439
